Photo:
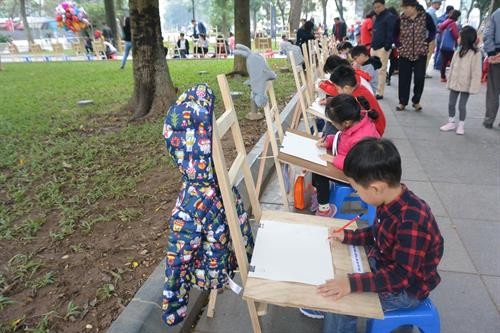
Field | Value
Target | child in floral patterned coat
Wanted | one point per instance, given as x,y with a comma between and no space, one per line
199,251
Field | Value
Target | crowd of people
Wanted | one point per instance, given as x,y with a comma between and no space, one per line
387,42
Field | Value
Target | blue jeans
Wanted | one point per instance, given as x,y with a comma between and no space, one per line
337,323
128,46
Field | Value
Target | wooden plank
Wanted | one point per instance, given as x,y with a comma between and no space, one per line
291,294
211,303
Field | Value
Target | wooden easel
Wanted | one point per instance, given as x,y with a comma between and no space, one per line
267,291
304,96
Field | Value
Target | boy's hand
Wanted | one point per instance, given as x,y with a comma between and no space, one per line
339,236
335,288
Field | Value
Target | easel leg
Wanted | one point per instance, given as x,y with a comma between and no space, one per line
281,181
252,309
260,175
211,303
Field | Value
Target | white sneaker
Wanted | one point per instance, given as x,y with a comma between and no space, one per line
448,127
460,128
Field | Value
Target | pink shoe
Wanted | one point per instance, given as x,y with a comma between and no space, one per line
460,128
448,127
332,210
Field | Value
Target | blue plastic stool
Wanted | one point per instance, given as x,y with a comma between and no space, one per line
340,194
425,317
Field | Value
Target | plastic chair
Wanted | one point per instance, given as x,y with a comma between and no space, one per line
340,194
425,317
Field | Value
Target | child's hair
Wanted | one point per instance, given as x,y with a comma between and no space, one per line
333,62
342,46
182,34
358,50
346,107
370,14
372,160
468,37
455,14
344,75
283,36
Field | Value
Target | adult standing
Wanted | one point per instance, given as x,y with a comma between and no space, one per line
416,31
366,29
305,33
198,29
127,37
492,48
339,30
449,38
433,8
382,39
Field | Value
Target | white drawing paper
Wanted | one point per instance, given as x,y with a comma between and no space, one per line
302,147
318,108
292,253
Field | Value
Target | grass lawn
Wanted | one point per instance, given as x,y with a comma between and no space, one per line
78,181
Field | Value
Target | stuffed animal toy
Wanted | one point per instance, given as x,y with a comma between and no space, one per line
259,73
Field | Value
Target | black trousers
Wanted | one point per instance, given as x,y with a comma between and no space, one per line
322,185
446,56
407,69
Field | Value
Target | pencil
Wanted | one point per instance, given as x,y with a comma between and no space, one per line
347,224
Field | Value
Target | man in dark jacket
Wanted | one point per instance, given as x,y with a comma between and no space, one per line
382,39
339,29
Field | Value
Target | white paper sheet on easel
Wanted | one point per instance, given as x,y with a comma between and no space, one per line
292,253
302,147
318,108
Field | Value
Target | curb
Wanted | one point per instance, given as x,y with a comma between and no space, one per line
143,313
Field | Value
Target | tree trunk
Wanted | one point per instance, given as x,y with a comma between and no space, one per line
192,5
224,24
340,8
254,22
13,10
294,18
282,7
323,7
25,21
109,6
153,87
241,33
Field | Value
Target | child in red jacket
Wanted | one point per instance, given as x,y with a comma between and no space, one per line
345,112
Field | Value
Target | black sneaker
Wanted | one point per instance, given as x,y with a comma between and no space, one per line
379,97
487,125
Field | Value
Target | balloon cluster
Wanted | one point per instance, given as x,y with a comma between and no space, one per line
71,16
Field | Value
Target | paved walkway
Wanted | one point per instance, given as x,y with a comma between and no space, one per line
459,176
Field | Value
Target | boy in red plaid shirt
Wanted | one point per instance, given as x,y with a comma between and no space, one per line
406,244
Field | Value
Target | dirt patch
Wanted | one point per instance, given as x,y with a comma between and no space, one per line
95,274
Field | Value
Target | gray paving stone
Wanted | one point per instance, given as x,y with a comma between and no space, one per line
459,170
464,305
481,241
425,191
443,221
470,201
404,147
455,257
412,169
394,132
493,286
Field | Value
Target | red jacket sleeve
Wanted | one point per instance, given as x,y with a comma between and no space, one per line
328,87
329,141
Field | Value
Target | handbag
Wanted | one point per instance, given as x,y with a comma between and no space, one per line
448,43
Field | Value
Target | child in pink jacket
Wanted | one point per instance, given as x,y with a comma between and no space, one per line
354,124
